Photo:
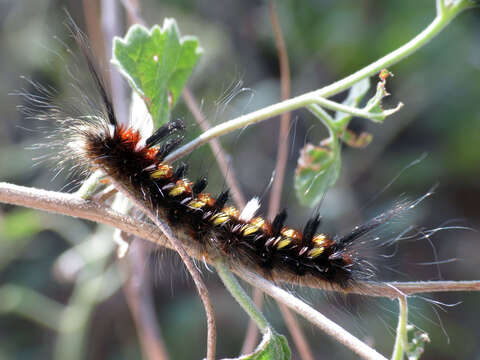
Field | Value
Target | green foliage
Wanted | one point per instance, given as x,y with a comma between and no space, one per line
273,347
157,64
319,166
417,340
374,105
318,169
355,95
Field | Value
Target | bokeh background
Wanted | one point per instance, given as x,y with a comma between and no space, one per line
50,304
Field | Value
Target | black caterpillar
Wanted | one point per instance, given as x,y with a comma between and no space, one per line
272,249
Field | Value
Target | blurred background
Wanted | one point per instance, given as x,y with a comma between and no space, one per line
62,294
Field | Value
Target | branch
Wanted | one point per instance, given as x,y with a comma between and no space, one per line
218,150
442,19
138,291
313,316
239,294
68,204
194,273
401,341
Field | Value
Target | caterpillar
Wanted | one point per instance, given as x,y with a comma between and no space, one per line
136,163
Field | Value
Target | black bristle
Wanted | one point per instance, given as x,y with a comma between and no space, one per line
97,78
199,185
278,221
310,229
181,171
158,135
372,224
168,146
222,199
164,131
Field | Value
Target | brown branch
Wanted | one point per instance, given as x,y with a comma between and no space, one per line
132,7
282,150
194,273
111,27
251,335
133,10
276,193
296,332
138,292
138,286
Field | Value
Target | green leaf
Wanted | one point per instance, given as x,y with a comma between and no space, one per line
157,63
273,347
374,105
317,170
355,95
356,140
416,342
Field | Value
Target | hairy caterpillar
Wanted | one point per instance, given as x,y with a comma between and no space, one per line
135,162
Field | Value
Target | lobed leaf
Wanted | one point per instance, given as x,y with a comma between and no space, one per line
157,63
355,95
273,347
317,170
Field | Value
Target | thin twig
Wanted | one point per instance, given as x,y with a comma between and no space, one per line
252,330
433,29
240,295
282,149
328,326
91,14
111,27
138,286
218,150
132,7
296,332
138,292
31,305
194,273
282,153
276,193
401,338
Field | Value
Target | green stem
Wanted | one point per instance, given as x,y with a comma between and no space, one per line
401,342
332,127
325,117
88,187
332,105
442,19
234,287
